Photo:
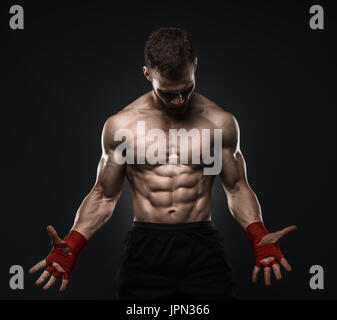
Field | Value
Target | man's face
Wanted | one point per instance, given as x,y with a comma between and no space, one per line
174,95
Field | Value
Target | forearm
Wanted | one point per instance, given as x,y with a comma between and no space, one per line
244,205
95,210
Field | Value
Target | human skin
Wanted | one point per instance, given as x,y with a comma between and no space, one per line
170,193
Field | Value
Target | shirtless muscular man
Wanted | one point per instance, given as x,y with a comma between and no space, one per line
172,249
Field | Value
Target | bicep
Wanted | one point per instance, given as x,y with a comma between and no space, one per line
110,173
233,171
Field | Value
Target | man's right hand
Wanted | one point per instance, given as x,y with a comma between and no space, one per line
61,258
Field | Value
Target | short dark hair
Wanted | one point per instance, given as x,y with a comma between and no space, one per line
168,50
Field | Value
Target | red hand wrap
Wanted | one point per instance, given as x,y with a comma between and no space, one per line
255,232
75,241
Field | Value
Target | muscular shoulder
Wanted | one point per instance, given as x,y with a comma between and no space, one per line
129,115
220,119
124,119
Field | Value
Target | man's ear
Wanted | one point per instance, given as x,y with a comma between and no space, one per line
147,73
195,63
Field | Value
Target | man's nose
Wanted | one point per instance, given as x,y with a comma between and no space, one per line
178,101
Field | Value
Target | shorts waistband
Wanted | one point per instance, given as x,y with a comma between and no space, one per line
138,225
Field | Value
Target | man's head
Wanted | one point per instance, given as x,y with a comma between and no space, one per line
170,66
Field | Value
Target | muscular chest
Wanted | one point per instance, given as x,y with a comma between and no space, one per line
153,142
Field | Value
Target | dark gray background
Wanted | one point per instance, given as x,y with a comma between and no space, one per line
76,64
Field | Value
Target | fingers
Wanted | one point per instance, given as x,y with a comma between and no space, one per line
277,271
64,284
42,278
255,273
38,266
52,280
58,267
267,262
270,263
287,230
43,264
53,235
55,270
266,272
285,264
274,237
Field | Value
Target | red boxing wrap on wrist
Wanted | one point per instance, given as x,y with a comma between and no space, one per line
75,241
255,232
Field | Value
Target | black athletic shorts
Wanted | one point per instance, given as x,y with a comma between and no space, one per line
170,261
